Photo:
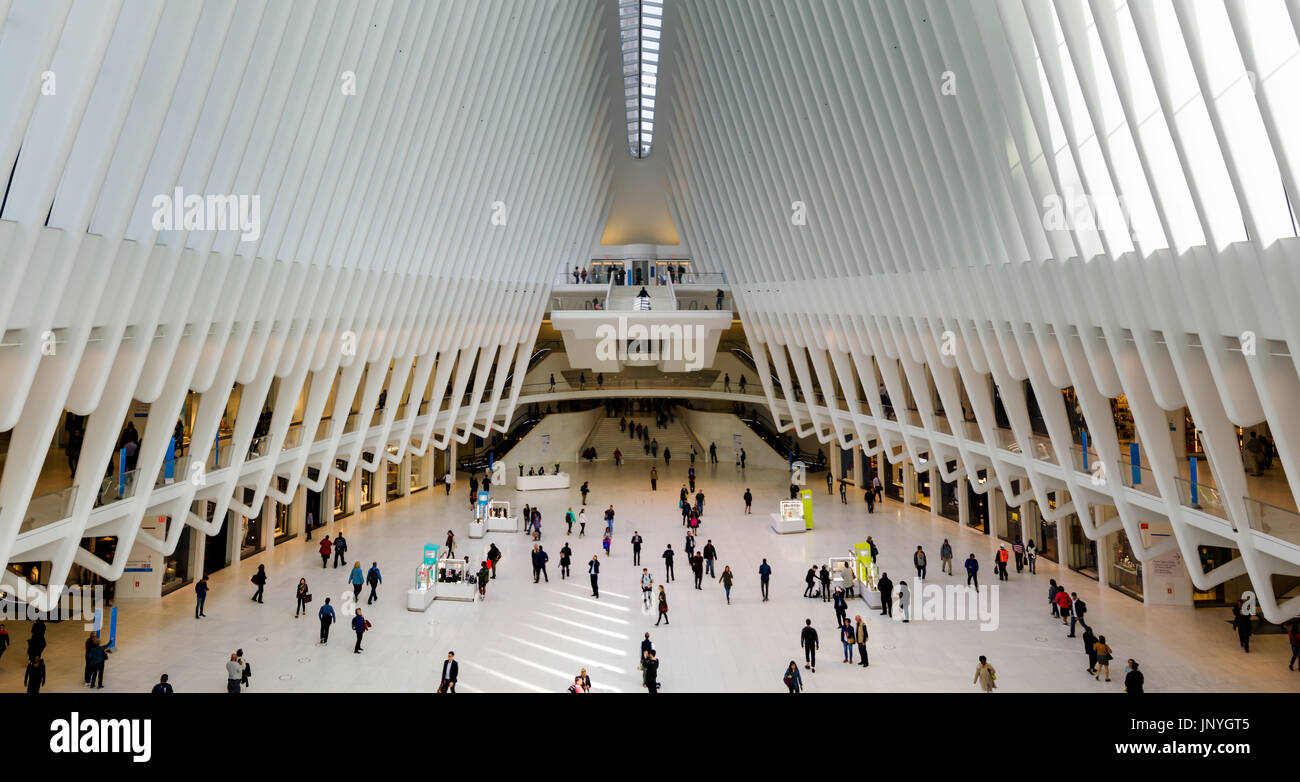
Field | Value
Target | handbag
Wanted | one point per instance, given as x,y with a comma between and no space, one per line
306,598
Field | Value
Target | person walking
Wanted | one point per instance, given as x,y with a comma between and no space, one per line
593,569
647,588
234,674
663,607
1241,622
1002,556
326,548
540,558
668,564
945,557
830,484
886,588
1031,558
808,640
860,636
792,679
566,559
1133,679
450,673
636,547
749,502
1077,609
1104,656
1294,637
34,676
162,687
96,657
1090,648
1018,548
201,596
710,554
650,672
844,494
918,560
569,518
824,576
4,640
972,571
697,569
356,578
582,522
584,489
985,676
1063,605
810,582
1052,589
359,626
326,617
374,579
654,479
847,638
727,579
494,556
878,489
340,549
905,600
259,580
450,544
764,575
841,604
301,596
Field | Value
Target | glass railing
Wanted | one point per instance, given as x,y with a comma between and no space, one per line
1083,462
292,438
1007,440
702,278
218,456
574,303
48,508
172,471
1140,478
1280,523
1199,496
323,430
350,425
259,447
116,488
691,302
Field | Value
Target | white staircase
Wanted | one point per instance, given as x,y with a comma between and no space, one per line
605,437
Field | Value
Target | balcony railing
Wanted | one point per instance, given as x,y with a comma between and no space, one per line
1200,496
49,508
1271,520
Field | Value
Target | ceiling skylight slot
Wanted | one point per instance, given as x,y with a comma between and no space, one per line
641,25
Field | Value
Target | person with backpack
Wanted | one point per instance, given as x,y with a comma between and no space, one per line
259,579
340,549
359,626
483,575
808,640
945,557
1241,622
374,579
494,556
918,560
584,489
1077,609
1052,589
303,596
569,518
1002,556
95,659
326,546
1031,558
326,616
764,576
162,687
792,679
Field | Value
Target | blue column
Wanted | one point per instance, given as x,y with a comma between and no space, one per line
1135,459
1084,437
1192,461
121,472
169,464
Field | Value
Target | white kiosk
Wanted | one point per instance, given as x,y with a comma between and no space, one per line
439,578
498,518
790,519
558,480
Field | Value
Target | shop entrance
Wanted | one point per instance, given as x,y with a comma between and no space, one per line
176,566
894,482
1083,552
251,542
1211,557
922,489
949,508
313,519
1015,526
215,556
978,514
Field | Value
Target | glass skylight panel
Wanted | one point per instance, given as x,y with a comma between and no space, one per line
640,26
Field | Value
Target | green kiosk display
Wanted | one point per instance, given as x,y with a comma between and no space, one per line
806,496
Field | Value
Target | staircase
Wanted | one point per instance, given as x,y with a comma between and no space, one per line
605,437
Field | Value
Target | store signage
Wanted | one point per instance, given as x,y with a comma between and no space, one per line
430,553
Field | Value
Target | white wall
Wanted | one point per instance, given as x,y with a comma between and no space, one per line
568,432
719,428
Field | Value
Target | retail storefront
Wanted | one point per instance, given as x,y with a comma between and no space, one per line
894,480
977,504
251,542
216,553
1212,557
342,495
283,514
1015,527
368,497
176,565
1125,570
1042,530
922,497
416,479
312,517
393,487
1082,554
949,507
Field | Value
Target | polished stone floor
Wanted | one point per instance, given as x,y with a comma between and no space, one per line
528,637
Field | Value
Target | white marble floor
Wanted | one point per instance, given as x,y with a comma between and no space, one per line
528,637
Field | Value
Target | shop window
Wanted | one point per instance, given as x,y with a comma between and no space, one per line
393,488
978,511
1125,570
251,540
368,500
283,514
1047,538
1083,551
342,508
949,508
1015,525
417,467
922,488
894,484
176,566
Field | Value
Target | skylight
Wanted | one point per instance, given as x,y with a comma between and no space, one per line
641,24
